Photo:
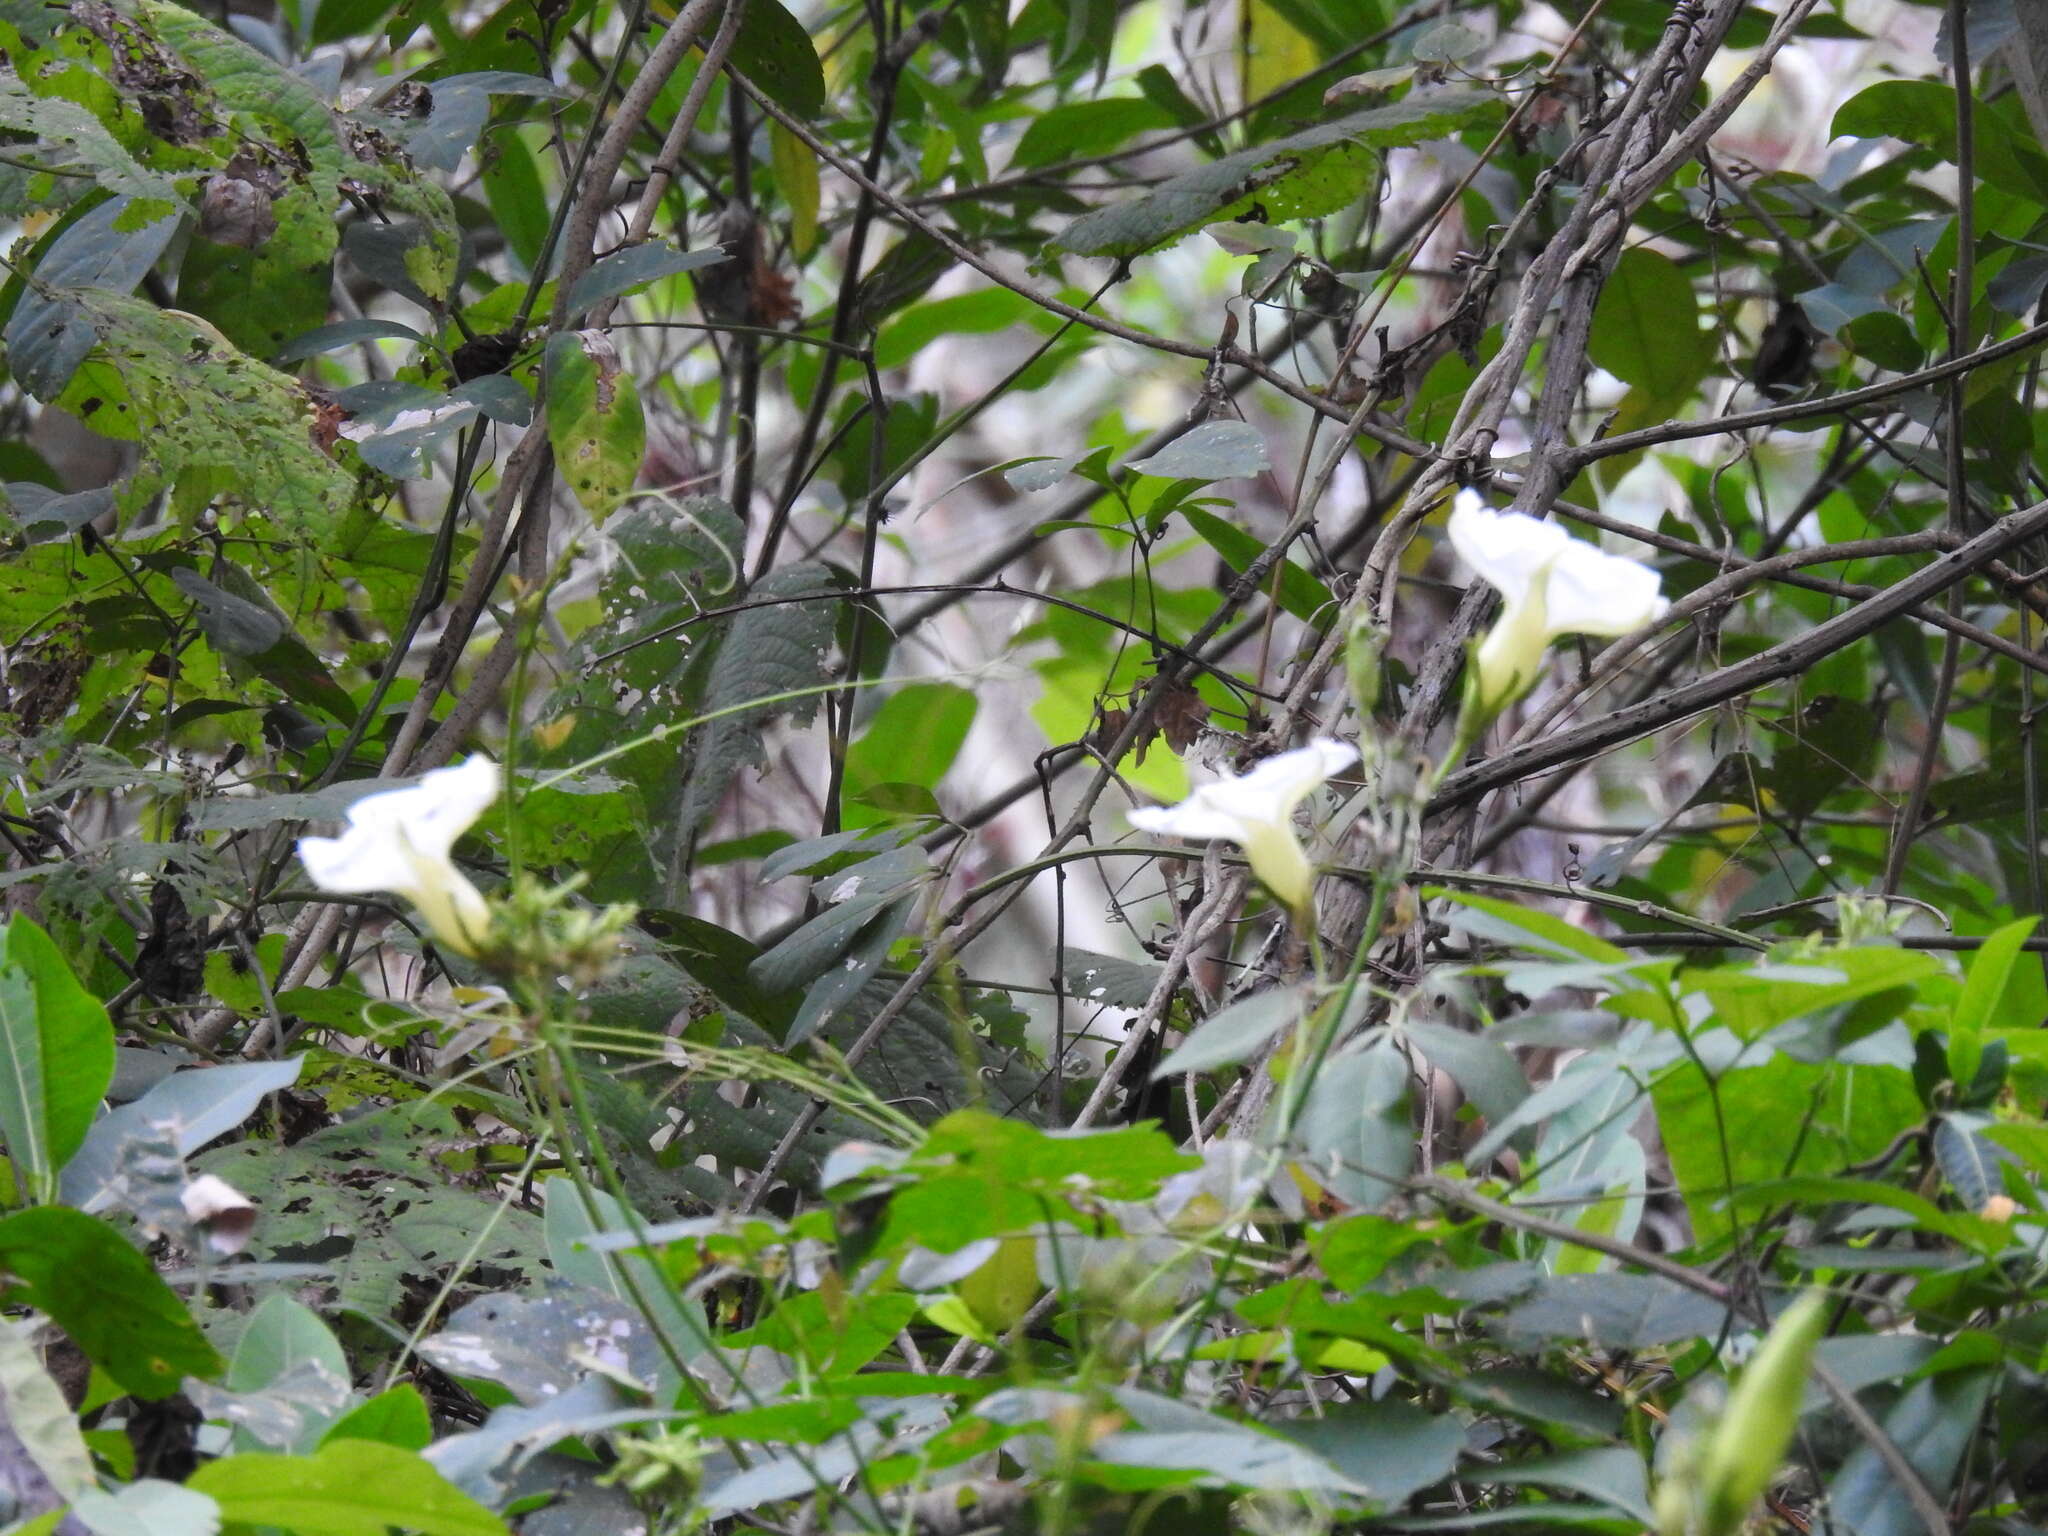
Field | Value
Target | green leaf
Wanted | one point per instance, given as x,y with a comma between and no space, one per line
774,50
1620,1311
397,1416
979,313
796,178
49,333
769,664
1215,450
1356,1136
594,419
571,1218
1233,1034
1984,988
283,1343
1933,1423
68,136
1391,1448
199,408
1532,929
348,1488
519,201
912,739
979,1176
1795,1118
1645,328
1301,595
1923,112
56,1056
1077,129
376,1199
1301,176
632,269
264,295
91,1283
148,1507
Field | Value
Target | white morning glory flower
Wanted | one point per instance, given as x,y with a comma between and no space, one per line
1550,584
400,839
1256,811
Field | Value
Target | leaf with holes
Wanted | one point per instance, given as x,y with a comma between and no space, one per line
594,419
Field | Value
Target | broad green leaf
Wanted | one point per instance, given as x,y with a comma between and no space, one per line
1229,1455
1275,51
571,1218
1356,1136
1481,1066
1923,112
284,1345
769,664
1234,1034
1076,129
519,200
1620,1311
1754,998
56,1056
1645,330
188,1108
264,295
347,1488
774,50
148,1507
68,137
1215,450
1933,1423
397,1416
1791,1117
1301,176
1969,1161
1610,1474
377,1198
913,738
94,1285
49,333
197,407
980,313
978,1176
1390,1448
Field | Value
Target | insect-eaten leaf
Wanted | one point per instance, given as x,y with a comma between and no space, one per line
594,419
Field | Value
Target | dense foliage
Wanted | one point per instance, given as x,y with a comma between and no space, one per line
774,765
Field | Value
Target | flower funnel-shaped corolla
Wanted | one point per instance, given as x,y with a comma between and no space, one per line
400,840
1256,811
1550,584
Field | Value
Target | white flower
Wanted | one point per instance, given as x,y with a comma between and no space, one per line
400,840
1256,812
1550,584
220,1211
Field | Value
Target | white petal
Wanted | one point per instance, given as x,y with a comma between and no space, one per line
1592,593
362,859
1282,782
1507,549
437,810
1193,819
